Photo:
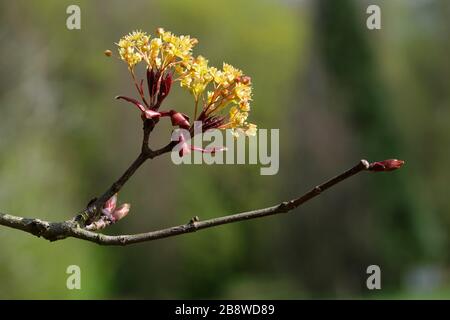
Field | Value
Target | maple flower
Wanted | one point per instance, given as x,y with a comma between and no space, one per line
227,104
222,95
161,52
196,76
133,46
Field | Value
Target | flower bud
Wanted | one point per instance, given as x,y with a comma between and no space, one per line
110,205
121,212
164,89
159,31
150,81
386,165
246,80
155,81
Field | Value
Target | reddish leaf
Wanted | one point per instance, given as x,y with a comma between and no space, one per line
133,101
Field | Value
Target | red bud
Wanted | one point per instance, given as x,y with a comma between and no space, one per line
245,80
156,76
150,81
164,89
386,165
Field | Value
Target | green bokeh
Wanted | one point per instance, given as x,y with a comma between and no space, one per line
336,91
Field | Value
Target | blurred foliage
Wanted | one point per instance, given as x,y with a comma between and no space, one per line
336,91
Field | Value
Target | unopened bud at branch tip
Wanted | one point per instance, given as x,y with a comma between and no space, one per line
386,165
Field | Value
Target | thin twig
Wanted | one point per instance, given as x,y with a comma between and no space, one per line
57,231
92,210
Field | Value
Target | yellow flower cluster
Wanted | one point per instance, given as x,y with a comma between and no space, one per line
230,90
160,52
131,47
195,75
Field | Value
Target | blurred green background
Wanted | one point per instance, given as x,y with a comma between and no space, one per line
337,91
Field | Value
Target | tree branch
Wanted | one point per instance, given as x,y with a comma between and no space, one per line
92,210
56,231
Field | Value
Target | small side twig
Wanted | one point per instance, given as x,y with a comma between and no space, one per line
92,210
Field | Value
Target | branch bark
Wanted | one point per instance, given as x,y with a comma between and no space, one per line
60,230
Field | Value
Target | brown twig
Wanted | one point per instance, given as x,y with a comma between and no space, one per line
57,231
92,210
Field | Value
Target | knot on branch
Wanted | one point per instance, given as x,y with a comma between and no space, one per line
47,230
36,227
192,225
286,206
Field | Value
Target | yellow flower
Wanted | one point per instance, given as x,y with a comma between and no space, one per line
175,46
237,118
128,52
225,93
231,73
160,52
155,47
244,106
196,76
133,46
243,92
232,91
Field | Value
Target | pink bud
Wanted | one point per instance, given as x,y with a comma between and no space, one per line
386,165
121,212
110,205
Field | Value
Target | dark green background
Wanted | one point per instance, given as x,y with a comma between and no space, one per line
337,92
